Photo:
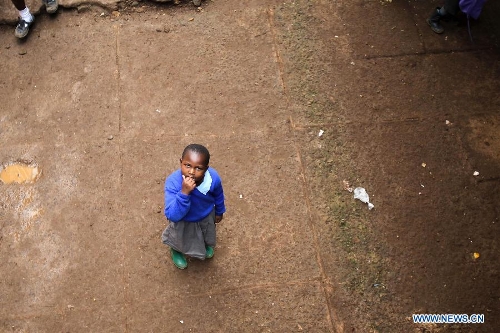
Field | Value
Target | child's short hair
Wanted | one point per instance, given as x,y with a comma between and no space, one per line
197,148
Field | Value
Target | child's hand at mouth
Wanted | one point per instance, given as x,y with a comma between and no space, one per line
188,185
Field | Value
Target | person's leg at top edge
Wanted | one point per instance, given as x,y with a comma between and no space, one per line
450,9
51,6
26,19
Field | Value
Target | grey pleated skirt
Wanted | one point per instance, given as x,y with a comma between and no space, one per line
190,238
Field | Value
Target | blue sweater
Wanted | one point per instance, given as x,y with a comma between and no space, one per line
195,206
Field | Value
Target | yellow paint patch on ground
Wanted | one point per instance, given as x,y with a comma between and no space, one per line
19,173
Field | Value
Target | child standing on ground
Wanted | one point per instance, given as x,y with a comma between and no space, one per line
194,202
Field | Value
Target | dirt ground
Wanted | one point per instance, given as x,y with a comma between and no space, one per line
299,102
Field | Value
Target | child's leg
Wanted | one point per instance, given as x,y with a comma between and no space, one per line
185,237
171,237
208,228
178,259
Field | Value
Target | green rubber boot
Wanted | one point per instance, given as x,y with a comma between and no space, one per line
179,259
210,251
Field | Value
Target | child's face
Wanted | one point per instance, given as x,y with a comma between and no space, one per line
194,165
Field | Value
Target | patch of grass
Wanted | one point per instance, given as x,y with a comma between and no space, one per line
361,269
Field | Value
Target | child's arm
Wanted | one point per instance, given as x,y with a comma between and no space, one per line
177,204
218,193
